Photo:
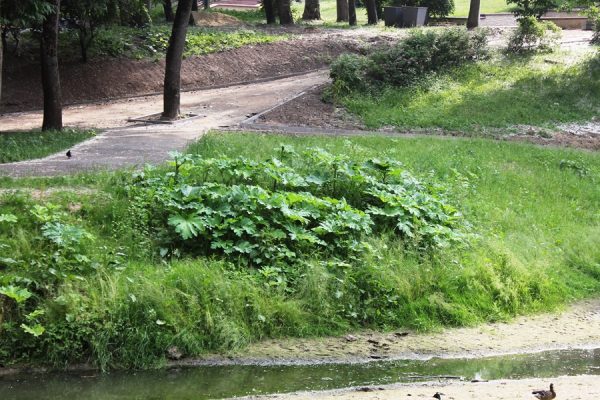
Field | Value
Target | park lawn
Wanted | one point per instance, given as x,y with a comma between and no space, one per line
27,145
543,90
533,245
461,7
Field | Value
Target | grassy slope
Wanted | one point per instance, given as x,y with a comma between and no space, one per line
536,217
541,91
18,146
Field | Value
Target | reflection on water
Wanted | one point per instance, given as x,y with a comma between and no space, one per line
227,381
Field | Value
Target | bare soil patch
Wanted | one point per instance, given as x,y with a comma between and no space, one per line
105,79
577,327
310,110
214,19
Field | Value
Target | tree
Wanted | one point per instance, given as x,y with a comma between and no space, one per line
532,8
50,76
473,20
86,16
341,7
285,12
312,10
372,18
352,12
172,85
168,8
269,7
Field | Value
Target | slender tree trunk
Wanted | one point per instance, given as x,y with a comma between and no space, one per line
352,12
371,12
149,5
50,76
172,87
206,4
312,10
285,12
473,20
194,8
168,7
1,58
269,11
112,14
341,7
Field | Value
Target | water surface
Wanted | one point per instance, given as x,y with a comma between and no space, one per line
216,382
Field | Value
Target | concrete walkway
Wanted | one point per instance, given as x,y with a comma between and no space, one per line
125,144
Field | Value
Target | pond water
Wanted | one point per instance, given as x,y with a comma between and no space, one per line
215,382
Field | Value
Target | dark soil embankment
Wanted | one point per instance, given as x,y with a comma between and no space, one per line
105,79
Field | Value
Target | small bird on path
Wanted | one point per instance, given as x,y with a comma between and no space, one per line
68,154
545,394
438,395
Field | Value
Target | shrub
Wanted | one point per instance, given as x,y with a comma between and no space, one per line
532,8
408,62
594,16
276,212
532,35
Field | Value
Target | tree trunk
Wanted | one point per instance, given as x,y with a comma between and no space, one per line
195,5
206,4
371,12
473,20
112,13
50,76
312,10
285,12
172,87
341,7
168,7
269,11
352,12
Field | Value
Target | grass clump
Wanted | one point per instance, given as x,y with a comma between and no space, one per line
117,274
496,93
19,146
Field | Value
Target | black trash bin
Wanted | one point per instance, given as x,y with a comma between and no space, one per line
404,16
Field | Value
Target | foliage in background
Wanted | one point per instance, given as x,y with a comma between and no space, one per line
408,62
532,8
533,35
18,146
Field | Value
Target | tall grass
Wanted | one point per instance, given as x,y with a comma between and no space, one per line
534,246
500,93
18,146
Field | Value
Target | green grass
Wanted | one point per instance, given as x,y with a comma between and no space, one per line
533,247
541,91
461,7
26,145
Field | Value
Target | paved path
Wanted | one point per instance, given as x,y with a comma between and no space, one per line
123,144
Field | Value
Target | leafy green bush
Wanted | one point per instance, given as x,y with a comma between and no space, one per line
594,15
287,208
532,35
532,8
410,61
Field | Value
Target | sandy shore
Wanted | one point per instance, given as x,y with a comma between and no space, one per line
578,326
567,387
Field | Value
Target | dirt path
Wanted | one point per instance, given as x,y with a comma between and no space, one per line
577,327
124,144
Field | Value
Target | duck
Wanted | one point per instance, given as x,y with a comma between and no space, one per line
438,395
545,394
